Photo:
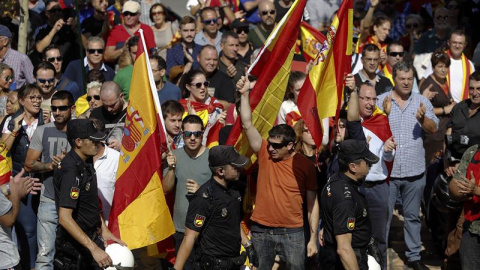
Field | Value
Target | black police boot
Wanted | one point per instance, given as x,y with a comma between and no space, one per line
417,265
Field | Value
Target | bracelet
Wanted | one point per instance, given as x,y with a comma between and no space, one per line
14,133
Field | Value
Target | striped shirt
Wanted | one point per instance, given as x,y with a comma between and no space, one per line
410,153
21,64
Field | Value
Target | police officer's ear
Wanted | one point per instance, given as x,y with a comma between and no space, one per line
78,142
352,167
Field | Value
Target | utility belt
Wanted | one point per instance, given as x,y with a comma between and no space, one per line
71,255
205,262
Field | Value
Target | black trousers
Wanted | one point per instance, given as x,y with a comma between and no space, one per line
71,255
329,259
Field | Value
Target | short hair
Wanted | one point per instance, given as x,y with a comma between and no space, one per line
4,66
165,11
187,78
284,132
343,165
44,65
93,84
205,9
192,119
475,76
95,75
458,32
160,61
394,43
95,39
172,107
27,89
115,88
371,48
439,56
228,34
208,46
50,1
295,76
365,83
133,41
64,95
49,48
402,66
186,20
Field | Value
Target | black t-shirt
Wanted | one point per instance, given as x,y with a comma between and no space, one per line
223,85
465,130
92,26
111,121
383,85
215,212
65,39
76,188
344,210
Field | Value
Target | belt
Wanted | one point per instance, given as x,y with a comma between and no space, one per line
209,262
274,230
371,184
409,178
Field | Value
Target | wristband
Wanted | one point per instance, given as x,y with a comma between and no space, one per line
14,134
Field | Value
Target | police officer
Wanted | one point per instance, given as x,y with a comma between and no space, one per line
82,234
214,216
346,232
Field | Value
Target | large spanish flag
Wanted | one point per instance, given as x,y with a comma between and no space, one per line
272,67
321,94
140,214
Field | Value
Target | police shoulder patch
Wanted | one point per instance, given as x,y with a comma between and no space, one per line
351,224
347,194
74,193
199,221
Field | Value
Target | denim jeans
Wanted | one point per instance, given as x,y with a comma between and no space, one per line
26,231
470,250
290,247
46,233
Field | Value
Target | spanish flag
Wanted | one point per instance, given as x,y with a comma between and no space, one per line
321,94
312,41
272,67
140,215
5,164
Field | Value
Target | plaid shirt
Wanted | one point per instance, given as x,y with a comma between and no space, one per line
21,64
410,153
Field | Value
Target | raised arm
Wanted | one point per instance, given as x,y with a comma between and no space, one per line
254,137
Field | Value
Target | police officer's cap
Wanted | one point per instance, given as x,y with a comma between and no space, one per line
226,154
351,150
83,129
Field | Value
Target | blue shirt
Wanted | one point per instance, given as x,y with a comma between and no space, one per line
74,72
252,15
71,87
176,57
410,153
169,92
202,40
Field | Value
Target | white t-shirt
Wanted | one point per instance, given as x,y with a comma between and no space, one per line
106,170
456,78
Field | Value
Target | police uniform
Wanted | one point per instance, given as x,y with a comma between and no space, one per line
215,212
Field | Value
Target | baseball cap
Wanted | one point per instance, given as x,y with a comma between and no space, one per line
351,150
5,32
221,155
83,129
237,23
131,6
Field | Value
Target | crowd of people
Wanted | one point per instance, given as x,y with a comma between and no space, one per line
406,137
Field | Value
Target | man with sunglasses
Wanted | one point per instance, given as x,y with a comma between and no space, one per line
260,32
434,39
286,180
245,49
187,170
121,33
93,60
47,148
53,55
45,75
210,33
99,23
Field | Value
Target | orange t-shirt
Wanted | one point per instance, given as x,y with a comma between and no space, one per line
281,189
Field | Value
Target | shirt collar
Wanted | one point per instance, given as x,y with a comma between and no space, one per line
364,78
85,64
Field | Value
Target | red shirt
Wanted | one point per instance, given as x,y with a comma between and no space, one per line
119,35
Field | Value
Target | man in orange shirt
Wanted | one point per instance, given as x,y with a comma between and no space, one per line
285,181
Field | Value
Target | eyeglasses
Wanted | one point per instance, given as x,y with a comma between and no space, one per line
368,99
52,59
196,134
96,97
442,17
33,98
242,29
61,108
277,145
199,84
265,12
211,21
55,10
158,13
128,13
43,81
395,54
92,51
411,25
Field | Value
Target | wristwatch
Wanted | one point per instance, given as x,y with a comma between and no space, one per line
5,189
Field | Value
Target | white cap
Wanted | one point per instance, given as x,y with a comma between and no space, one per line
131,6
120,255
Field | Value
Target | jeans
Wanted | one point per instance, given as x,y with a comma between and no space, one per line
290,247
411,192
46,233
470,250
26,231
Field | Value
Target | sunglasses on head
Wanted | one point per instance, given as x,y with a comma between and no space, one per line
52,59
211,21
158,13
243,29
51,80
265,12
411,25
92,51
61,108
395,54
199,84
128,13
277,145
96,97
196,134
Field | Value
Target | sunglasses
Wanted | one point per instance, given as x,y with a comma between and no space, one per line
92,51
128,13
442,17
243,29
265,12
411,25
51,80
55,10
199,84
96,97
212,21
395,54
158,13
61,108
196,134
277,145
8,78
52,59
